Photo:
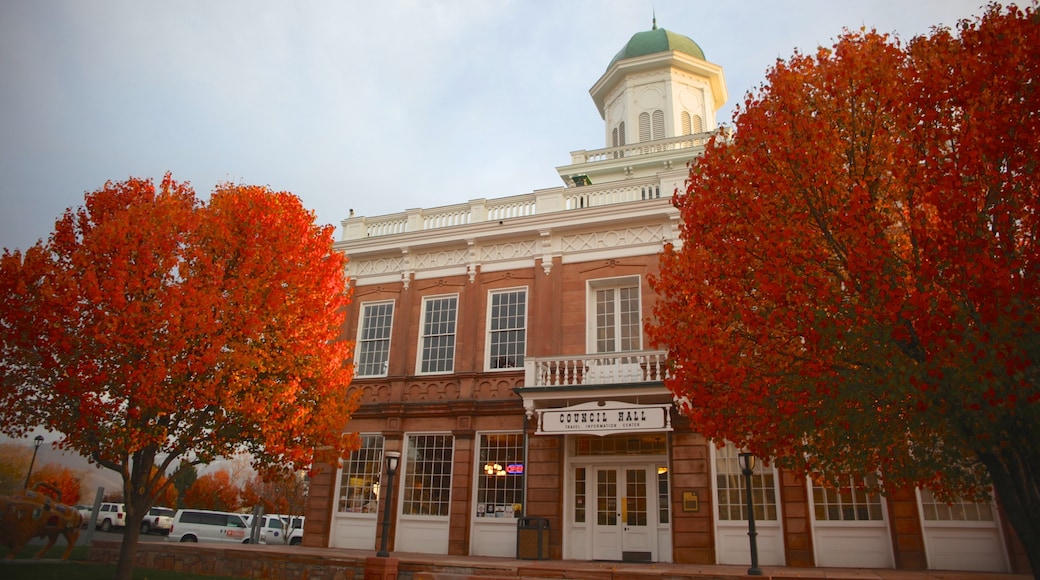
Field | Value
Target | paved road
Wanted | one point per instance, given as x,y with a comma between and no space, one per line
116,536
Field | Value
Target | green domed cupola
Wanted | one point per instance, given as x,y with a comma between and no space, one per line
657,40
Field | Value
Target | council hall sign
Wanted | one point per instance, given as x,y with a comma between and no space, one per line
604,418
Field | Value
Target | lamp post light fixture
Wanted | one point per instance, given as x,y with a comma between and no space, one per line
38,441
393,459
747,467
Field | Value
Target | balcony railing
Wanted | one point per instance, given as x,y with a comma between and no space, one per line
633,150
596,369
493,210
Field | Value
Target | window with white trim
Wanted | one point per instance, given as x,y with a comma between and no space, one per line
359,480
959,511
507,328
731,488
500,476
616,315
437,341
373,343
847,503
427,483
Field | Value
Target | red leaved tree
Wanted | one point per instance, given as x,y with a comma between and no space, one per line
857,286
213,491
152,327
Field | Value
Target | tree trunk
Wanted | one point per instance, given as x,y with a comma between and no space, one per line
138,495
1015,481
131,536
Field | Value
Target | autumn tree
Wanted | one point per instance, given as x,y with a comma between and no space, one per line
183,477
67,481
153,327
213,491
14,463
856,289
280,492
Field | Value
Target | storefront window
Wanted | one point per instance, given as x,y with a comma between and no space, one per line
961,511
427,481
359,482
848,503
731,487
633,444
500,477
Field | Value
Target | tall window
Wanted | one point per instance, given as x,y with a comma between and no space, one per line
507,322
662,494
500,476
359,482
373,346
617,317
579,495
658,124
691,124
619,134
427,482
847,503
437,349
732,490
651,126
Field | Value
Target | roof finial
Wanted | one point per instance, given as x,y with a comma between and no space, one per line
654,27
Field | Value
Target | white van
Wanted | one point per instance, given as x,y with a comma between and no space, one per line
272,530
191,525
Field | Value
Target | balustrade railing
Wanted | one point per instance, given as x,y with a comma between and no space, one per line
596,369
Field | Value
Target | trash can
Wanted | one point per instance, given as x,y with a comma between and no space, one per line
532,539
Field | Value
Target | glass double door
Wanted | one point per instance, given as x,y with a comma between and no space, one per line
623,524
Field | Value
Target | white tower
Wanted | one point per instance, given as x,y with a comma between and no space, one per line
657,94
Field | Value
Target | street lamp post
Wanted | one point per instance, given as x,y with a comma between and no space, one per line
747,467
38,441
392,460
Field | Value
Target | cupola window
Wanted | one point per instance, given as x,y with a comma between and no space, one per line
650,130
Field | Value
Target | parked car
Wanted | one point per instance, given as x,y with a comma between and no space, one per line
159,520
84,510
272,530
111,516
295,530
191,525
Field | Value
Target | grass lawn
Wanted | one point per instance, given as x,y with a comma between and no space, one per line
23,567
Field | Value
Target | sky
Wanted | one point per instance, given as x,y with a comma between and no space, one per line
373,106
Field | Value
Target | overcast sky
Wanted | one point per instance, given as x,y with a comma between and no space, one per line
379,106
376,106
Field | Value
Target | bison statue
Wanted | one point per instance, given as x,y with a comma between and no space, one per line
35,515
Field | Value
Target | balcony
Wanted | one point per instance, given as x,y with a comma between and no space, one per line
596,369
541,202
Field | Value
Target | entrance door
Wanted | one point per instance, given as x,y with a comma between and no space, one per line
621,528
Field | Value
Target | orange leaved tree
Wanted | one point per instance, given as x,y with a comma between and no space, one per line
152,326
213,491
68,483
281,492
858,283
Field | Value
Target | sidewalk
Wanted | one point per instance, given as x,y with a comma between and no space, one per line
290,562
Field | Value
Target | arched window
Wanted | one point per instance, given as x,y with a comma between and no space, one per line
658,125
644,127
691,125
